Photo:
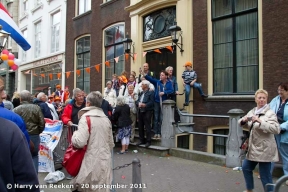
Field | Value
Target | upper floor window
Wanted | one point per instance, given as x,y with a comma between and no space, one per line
37,2
114,48
24,55
82,62
37,39
24,6
156,25
55,32
84,6
235,46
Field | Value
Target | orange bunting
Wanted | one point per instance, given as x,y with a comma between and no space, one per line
97,67
78,72
51,76
169,48
144,54
58,75
27,72
42,75
157,51
107,63
134,56
68,74
126,56
87,70
34,74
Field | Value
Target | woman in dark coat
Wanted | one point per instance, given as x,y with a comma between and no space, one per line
124,122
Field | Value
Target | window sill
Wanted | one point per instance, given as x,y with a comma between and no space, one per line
25,15
37,8
48,1
231,98
107,3
82,15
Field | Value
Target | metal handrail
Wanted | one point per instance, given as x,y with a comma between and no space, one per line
202,115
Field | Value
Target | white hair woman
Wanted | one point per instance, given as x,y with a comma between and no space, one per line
138,87
122,116
262,148
110,94
100,138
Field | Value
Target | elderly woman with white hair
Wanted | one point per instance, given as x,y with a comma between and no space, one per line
96,167
124,122
138,88
110,94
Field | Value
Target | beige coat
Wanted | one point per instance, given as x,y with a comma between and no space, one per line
262,144
96,168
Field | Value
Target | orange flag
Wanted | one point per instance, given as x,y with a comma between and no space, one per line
51,76
144,54
87,70
58,75
157,51
169,48
134,56
34,74
107,63
68,74
42,75
78,72
126,56
97,67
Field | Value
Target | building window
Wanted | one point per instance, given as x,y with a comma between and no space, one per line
37,2
84,6
24,7
83,61
156,25
24,55
235,46
114,48
55,32
37,39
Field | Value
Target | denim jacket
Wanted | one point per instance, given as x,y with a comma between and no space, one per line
274,105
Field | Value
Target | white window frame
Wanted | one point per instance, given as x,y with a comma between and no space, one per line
86,6
56,45
24,7
37,52
24,54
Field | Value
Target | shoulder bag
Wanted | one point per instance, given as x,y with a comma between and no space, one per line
73,157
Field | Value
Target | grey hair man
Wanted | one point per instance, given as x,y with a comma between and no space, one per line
145,105
94,99
34,119
41,102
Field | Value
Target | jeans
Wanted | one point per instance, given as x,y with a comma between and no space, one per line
264,170
36,140
144,119
157,118
188,89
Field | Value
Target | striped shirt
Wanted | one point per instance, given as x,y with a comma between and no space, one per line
189,76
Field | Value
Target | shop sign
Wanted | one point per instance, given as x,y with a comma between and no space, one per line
47,61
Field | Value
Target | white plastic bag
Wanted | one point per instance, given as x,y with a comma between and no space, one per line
54,177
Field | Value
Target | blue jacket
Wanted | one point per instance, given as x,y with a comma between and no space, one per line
44,108
167,89
274,105
9,115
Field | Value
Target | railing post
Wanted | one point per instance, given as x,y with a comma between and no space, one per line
167,129
136,176
233,151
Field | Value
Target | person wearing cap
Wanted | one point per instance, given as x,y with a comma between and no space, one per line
122,80
189,77
58,91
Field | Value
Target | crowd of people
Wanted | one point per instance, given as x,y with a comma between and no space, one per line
129,99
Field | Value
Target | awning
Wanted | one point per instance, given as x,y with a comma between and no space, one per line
40,88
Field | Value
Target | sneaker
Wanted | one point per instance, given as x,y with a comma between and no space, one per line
155,136
204,96
159,137
186,104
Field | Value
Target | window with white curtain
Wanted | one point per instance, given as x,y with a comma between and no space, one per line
24,55
235,46
114,48
55,32
84,6
82,62
37,39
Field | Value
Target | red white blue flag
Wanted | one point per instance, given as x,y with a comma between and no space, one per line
10,26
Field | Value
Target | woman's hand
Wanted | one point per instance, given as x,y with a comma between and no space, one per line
256,119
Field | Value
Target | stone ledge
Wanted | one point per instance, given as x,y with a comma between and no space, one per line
231,98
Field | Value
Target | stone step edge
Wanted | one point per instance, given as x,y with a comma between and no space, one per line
154,147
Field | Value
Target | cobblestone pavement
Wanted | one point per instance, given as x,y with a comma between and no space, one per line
171,174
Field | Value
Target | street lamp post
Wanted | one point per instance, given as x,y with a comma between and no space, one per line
3,40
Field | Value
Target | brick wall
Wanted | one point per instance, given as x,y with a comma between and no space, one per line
101,16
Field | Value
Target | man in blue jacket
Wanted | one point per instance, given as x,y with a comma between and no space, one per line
7,114
163,88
